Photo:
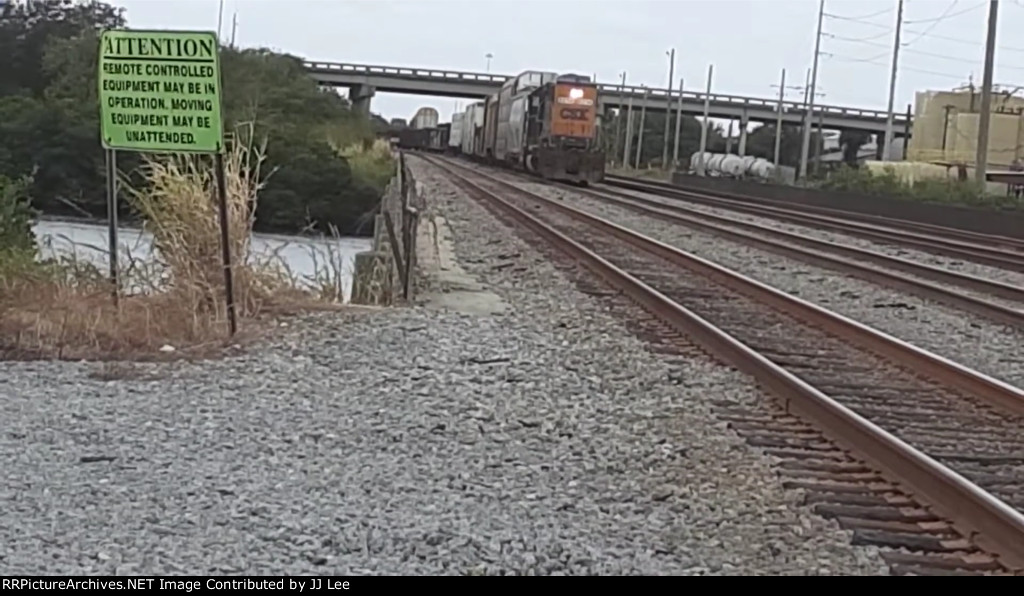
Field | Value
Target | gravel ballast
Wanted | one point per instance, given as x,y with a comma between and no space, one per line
545,440
892,250
966,338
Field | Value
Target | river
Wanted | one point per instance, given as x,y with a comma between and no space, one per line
304,256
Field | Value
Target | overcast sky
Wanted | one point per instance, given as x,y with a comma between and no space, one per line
748,41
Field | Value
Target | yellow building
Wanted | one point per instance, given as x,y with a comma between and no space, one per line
945,127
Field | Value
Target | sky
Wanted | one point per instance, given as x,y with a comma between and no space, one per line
748,42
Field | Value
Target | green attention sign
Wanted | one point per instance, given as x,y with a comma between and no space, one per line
160,91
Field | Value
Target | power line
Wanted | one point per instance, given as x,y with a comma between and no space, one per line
966,41
842,18
907,68
927,32
862,17
946,16
912,51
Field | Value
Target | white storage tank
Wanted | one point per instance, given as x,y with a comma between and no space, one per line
763,169
731,165
425,118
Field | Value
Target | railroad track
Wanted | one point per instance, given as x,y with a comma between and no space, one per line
846,259
997,251
844,389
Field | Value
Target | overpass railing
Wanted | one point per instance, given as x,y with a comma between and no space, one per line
440,75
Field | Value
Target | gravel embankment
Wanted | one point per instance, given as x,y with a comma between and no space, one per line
966,338
541,441
892,250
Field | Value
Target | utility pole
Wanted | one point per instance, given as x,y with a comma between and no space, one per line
668,105
886,149
981,162
234,28
629,133
618,120
704,126
778,117
220,19
679,121
640,138
805,148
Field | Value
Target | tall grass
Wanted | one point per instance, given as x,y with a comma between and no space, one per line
64,307
931,190
372,164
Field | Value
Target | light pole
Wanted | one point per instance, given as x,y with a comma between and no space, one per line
618,120
805,148
640,137
981,160
220,19
701,165
778,115
489,56
679,121
892,84
629,133
668,105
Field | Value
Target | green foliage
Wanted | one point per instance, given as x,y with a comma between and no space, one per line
15,218
49,120
957,192
760,141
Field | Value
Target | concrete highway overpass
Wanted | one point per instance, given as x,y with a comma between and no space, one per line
364,80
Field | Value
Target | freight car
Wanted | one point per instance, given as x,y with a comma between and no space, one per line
473,129
439,138
425,139
542,123
455,135
414,138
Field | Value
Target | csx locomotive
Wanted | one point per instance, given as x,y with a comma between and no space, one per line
539,122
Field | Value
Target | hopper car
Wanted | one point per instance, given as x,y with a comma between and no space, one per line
425,139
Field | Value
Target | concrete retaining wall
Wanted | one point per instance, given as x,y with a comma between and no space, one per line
1002,222
381,276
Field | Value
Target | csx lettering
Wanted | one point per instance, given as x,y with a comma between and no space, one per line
573,114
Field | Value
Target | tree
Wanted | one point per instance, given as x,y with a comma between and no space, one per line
851,141
49,120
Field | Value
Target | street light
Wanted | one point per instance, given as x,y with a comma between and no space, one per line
489,56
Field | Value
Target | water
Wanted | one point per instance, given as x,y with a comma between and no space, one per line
302,255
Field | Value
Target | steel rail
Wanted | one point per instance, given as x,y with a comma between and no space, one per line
968,235
955,248
853,264
988,521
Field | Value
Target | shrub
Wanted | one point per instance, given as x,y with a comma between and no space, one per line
16,216
932,190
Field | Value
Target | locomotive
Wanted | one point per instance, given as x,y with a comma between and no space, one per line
539,122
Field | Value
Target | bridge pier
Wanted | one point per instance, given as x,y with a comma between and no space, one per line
744,123
360,96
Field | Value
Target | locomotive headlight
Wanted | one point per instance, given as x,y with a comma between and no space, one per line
576,93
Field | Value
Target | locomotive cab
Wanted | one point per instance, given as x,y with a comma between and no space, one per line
562,133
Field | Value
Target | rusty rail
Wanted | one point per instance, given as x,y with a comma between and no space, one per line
988,521
852,264
961,249
892,222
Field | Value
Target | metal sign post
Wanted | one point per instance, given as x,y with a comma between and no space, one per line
160,92
111,172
